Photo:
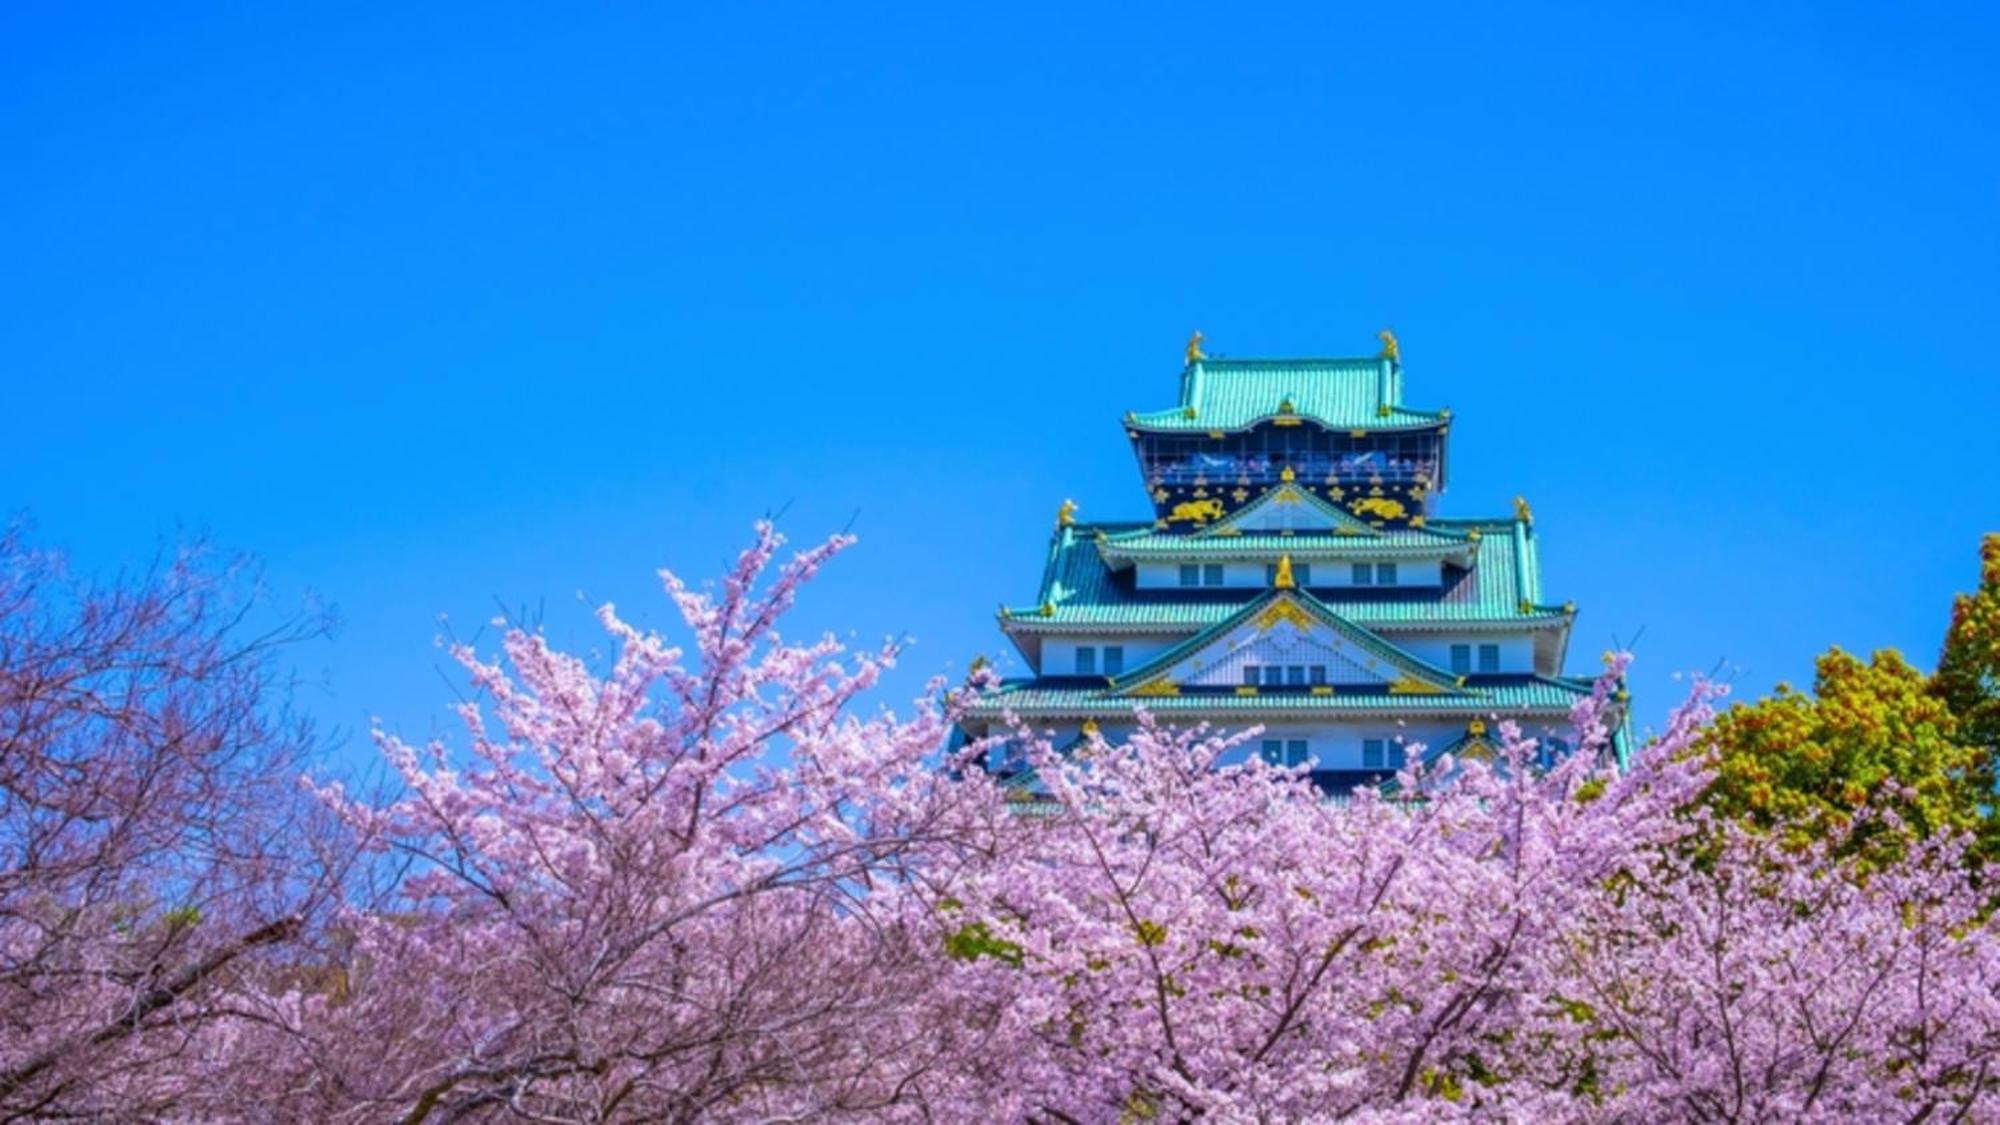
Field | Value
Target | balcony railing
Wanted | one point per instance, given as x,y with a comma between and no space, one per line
1222,468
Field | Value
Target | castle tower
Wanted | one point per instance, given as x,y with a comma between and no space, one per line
1294,574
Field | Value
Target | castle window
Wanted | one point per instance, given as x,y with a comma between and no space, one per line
1318,674
1114,659
1284,752
1086,660
1295,675
1250,675
1274,675
1211,574
1190,574
1461,659
1489,658
1385,574
1374,753
1364,575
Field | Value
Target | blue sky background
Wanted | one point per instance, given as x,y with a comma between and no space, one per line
430,305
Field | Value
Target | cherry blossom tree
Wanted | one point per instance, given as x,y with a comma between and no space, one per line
1751,981
155,851
675,889
1181,941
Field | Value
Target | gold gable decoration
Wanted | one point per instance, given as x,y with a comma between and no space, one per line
1283,579
1281,612
1157,686
1410,685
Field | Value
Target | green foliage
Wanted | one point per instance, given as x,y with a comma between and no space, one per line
181,918
1877,733
974,940
1968,674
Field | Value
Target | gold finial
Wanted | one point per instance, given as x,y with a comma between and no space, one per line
1521,510
1283,579
1288,476
1390,351
1194,352
1066,515
1090,728
1048,609
1476,727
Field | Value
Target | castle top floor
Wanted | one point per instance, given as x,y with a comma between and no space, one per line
1337,428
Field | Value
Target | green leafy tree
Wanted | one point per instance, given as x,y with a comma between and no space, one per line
1870,733
1968,674
1875,734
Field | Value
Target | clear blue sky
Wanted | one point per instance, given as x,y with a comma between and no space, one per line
432,304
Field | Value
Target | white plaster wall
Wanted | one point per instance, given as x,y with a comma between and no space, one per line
1325,575
1517,650
1329,745
1059,653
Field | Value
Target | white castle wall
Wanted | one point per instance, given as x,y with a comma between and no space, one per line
1334,746
1325,575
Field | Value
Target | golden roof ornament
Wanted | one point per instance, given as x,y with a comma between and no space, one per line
1390,350
1283,579
1090,728
1521,510
1066,515
1194,352
1288,476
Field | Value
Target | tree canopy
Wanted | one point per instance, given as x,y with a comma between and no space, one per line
1875,734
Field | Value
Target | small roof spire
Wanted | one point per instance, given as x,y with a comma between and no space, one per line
1391,351
1194,352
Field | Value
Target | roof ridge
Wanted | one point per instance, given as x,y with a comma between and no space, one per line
1370,361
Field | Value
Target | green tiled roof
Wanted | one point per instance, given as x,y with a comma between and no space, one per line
1532,695
1342,394
1082,592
